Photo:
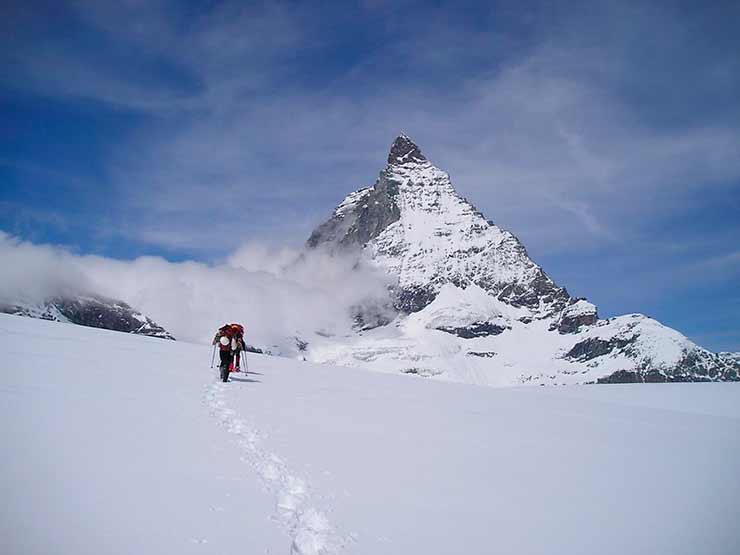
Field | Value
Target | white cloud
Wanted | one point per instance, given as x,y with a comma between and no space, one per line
542,135
31,272
276,294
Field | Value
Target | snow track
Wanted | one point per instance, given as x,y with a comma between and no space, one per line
309,528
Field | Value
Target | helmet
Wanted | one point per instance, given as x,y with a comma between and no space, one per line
224,340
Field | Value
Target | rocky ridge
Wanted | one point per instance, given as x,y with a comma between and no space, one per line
415,225
472,306
90,310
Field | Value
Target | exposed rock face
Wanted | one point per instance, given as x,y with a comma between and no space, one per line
360,218
414,297
695,366
651,362
477,329
580,313
404,150
92,311
701,365
593,347
415,226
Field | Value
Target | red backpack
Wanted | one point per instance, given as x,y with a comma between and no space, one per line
237,330
232,331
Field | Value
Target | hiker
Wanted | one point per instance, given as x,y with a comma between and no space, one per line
230,341
238,332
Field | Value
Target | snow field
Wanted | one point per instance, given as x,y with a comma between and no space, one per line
114,443
108,449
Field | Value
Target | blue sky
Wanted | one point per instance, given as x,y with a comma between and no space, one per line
605,135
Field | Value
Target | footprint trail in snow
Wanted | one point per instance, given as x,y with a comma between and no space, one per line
309,528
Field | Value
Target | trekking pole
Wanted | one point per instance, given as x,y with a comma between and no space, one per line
213,356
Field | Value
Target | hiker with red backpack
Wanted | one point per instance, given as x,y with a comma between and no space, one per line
230,341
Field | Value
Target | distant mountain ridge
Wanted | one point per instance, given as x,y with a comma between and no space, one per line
470,305
91,310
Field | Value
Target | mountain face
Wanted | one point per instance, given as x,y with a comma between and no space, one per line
418,228
472,306
93,311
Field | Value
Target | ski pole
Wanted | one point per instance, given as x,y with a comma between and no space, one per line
213,356
246,364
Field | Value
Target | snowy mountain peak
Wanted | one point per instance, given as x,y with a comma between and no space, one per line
470,305
404,150
415,226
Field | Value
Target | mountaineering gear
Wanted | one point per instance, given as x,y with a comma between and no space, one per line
236,365
230,340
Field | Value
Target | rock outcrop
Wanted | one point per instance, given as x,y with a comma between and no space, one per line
93,311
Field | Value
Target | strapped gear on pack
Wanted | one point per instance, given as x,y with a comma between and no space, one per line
237,330
230,338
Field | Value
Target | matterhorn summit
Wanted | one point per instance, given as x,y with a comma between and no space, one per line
416,226
470,305
404,150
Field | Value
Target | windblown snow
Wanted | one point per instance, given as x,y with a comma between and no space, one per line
115,443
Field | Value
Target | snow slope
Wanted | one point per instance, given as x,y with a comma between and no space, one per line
115,443
468,336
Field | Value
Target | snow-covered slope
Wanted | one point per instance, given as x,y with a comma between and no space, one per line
89,310
472,306
117,444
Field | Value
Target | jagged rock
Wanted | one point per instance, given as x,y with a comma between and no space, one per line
591,348
649,376
478,329
580,313
93,311
301,345
404,150
414,298
360,218
696,365
621,376
731,356
700,363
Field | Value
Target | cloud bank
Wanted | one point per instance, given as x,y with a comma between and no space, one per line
277,294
